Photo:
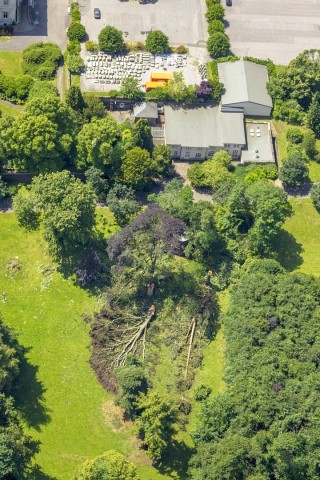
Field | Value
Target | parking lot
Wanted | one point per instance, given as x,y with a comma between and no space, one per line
278,29
181,20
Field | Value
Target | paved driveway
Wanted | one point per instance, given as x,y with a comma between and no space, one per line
53,21
278,29
182,20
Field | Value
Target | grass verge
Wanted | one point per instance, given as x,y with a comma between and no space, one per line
10,63
298,245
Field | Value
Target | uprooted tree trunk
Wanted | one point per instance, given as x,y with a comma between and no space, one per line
190,336
131,345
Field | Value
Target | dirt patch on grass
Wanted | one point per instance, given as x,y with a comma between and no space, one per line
114,417
138,455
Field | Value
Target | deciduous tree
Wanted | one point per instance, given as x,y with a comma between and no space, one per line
110,40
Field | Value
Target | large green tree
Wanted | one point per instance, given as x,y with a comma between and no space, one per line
218,45
110,40
157,42
66,208
131,89
96,141
109,466
137,168
36,145
313,116
294,171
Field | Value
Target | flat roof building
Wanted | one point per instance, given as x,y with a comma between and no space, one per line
259,147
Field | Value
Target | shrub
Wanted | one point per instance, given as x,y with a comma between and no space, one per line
315,196
201,393
91,46
215,12
289,111
216,26
157,42
76,32
309,144
181,49
294,135
74,47
196,175
218,45
110,40
209,3
75,15
74,64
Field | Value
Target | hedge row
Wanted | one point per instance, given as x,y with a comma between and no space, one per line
218,43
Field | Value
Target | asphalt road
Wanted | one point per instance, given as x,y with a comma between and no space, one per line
53,21
276,29
182,21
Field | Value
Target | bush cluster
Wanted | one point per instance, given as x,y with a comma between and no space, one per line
41,60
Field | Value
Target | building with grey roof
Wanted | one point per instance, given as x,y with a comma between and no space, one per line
245,88
145,110
198,133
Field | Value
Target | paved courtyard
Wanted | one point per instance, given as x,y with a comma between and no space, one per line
278,29
182,21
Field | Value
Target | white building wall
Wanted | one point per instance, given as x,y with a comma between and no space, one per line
8,11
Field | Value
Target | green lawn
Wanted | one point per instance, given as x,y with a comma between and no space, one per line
298,246
8,110
63,405
10,63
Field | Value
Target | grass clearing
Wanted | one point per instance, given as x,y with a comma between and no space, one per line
61,401
10,63
298,245
8,110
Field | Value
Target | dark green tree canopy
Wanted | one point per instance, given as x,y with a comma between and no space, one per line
294,171
262,425
157,42
122,202
110,40
313,116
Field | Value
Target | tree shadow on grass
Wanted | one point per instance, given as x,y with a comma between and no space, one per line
176,460
28,394
36,473
287,251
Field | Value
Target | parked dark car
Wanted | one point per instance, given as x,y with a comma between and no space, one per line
97,13
229,3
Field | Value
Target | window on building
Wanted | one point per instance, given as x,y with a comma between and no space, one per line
188,149
187,154
5,2
227,145
5,14
198,155
175,153
235,152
